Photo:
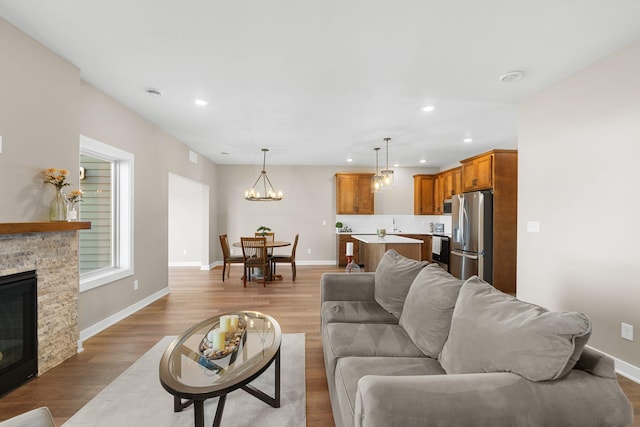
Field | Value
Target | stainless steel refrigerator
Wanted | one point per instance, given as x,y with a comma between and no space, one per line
472,235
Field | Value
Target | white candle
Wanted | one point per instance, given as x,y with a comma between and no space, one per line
234,323
349,248
225,322
217,338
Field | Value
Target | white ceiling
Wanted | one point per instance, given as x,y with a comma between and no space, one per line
317,82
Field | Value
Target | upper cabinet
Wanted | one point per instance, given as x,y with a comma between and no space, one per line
353,194
481,172
430,191
452,182
477,172
423,192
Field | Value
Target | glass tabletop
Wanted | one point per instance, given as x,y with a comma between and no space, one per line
193,366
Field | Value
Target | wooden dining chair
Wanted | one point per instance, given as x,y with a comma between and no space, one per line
228,259
254,251
291,259
271,237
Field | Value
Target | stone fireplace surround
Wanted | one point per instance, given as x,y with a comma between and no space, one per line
51,249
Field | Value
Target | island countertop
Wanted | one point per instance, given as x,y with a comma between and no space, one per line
389,238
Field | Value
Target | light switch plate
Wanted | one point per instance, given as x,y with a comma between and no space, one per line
533,227
193,157
626,331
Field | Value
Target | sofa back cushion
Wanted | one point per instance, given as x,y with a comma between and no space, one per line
393,278
426,316
495,332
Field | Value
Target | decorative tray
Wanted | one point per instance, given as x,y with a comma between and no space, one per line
231,342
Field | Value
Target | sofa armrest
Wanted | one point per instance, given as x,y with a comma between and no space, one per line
491,400
347,287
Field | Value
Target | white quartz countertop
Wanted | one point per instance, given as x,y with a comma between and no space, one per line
389,238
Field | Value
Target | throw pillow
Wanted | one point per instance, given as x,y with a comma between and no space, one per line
426,316
393,278
495,332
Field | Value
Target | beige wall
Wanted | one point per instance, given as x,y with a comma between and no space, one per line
579,145
39,104
44,107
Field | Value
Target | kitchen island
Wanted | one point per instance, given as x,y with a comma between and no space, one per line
372,248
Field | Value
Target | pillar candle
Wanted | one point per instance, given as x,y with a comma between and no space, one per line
225,322
234,323
217,338
349,249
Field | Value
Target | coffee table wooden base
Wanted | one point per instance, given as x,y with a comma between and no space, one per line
198,405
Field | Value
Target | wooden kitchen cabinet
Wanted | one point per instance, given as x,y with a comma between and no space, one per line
353,194
438,193
477,172
423,192
452,182
341,249
498,170
425,250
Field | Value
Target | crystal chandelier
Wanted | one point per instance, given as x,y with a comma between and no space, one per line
268,193
377,181
387,174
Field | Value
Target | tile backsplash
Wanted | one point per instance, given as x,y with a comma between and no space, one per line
413,224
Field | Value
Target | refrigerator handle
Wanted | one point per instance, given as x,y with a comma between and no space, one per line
461,230
464,255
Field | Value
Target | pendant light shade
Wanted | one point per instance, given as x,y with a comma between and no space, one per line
387,174
377,181
262,190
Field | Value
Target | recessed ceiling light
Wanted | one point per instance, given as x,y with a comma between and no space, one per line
396,165
428,108
153,91
512,76
201,102
349,160
467,140
423,161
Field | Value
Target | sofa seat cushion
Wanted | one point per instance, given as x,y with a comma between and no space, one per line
427,312
394,275
365,339
355,312
370,339
349,370
495,332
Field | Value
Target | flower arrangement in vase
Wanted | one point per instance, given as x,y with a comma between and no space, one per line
73,197
58,206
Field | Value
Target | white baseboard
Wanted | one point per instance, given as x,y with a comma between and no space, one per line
623,368
115,318
627,370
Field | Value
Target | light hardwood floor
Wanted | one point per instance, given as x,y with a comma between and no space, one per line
195,295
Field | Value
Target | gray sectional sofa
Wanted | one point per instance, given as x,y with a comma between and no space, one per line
410,345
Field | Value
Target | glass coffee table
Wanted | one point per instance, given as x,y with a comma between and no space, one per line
197,366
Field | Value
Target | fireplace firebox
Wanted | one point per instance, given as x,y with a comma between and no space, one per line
18,330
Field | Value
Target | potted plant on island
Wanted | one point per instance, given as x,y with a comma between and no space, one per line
339,226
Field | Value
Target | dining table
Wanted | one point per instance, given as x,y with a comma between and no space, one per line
268,245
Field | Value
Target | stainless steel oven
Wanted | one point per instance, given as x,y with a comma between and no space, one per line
440,250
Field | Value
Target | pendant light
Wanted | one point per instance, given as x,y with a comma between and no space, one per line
387,174
377,180
268,193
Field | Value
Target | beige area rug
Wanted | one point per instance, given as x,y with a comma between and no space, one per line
136,397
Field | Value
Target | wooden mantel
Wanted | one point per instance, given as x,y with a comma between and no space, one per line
42,227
